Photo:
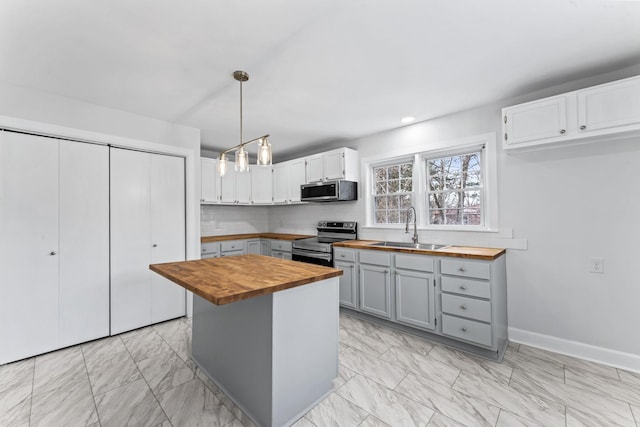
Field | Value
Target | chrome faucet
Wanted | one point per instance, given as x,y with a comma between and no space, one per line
415,228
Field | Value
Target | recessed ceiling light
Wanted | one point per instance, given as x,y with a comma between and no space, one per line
407,119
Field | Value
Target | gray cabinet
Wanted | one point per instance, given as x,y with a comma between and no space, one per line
375,283
254,247
210,250
281,249
345,260
415,299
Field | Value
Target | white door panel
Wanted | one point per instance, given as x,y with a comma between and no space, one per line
29,230
84,242
130,240
167,233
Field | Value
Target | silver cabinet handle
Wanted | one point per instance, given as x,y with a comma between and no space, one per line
342,255
155,245
583,127
463,307
463,288
563,131
52,253
462,269
463,329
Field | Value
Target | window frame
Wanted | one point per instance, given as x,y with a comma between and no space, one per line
488,158
372,187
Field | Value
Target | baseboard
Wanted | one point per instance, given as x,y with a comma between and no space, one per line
614,358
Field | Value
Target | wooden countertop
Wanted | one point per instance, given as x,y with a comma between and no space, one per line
470,252
277,236
230,279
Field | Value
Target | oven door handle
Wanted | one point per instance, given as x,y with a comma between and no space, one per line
316,255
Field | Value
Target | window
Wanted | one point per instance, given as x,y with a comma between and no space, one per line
454,189
392,192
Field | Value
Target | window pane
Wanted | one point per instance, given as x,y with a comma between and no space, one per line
380,174
381,187
381,217
392,202
454,189
394,185
406,170
394,172
381,203
406,185
406,201
393,218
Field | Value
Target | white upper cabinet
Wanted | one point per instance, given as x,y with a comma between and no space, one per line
595,113
243,187
210,181
609,105
287,179
546,118
331,165
228,185
261,185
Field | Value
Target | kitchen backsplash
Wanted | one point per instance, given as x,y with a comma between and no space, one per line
217,220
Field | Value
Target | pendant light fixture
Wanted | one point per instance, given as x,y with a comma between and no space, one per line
242,156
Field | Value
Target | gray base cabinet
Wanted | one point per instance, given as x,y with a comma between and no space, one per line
458,301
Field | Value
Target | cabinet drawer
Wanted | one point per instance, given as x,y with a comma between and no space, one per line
232,245
345,255
468,330
210,248
471,287
467,307
281,245
376,258
414,262
466,268
232,253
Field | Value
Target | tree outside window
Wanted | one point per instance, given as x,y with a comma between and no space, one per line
454,190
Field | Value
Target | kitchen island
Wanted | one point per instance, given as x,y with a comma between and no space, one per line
265,330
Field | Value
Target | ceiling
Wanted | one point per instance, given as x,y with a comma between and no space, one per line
320,70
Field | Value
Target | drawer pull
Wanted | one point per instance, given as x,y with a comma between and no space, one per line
462,269
463,329
342,255
463,288
463,307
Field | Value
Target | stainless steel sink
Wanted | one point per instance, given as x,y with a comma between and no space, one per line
426,246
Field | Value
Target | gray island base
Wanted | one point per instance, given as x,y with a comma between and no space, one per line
275,355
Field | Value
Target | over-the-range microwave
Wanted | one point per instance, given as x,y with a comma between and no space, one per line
329,191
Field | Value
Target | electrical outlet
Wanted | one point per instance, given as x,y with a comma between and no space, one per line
596,265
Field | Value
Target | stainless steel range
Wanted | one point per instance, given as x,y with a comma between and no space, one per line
319,250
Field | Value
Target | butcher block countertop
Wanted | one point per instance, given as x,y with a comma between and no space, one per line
230,279
470,252
277,236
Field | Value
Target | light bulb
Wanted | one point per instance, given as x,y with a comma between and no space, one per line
222,164
242,160
264,153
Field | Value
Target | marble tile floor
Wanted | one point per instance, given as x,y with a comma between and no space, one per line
387,378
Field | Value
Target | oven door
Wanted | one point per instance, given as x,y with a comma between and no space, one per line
317,258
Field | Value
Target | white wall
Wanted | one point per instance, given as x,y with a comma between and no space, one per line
219,220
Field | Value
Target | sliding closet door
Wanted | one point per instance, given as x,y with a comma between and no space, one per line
84,242
168,300
28,245
130,240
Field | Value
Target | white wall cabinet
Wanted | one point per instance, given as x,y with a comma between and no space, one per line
287,179
598,113
261,185
147,226
210,181
341,163
235,187
54,259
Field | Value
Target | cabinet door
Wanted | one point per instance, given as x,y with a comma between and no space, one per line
265,247
228,185
254,247
84,243
281,183
243,187
315,172
375,290
261,184
536,120
415,299
130,240
609,105
210,180
297,177
333,165
348,284
29,230
167,214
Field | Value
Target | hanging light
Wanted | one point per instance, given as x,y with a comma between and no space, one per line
241,154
